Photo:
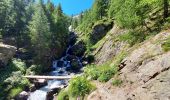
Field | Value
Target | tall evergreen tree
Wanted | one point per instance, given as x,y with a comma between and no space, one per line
40,34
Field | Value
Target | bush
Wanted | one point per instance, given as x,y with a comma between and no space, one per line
63,95
15,91
132,37
117,82
80,86
34,69
92,72
102,73
18,65
166,45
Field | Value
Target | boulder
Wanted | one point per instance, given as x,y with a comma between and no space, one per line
32,88
72,38
75,64
51,93
6,53
99,31
22,96
40,83
70,57
78,49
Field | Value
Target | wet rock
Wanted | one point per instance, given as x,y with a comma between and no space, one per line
78,49
60,63
51,93
75,64
32,88
72,38
70,57
22,96
40,83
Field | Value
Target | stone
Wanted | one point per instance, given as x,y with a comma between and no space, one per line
40,83
75,64
99,31
145,73
32,88
22,96
6,53
78,49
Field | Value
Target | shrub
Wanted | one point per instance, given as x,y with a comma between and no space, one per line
15,91
34,69
102,73
92,72
63,95
117,82
166,45
132,37
17,65
16,79
80,86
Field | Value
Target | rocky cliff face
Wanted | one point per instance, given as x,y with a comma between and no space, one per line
6,53
145,71
109,46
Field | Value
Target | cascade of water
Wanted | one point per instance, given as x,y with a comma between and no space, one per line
60,70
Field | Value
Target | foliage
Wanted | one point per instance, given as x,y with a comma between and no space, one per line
80,86
166,45
63,95
14,92
11,77
102,73
117,82
34,70
132,37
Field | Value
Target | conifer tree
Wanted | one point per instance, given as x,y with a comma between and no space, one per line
40,33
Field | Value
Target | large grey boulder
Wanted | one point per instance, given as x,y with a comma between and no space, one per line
6,53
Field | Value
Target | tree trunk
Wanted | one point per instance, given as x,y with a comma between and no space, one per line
165,8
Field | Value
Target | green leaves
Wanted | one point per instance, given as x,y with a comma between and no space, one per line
80,86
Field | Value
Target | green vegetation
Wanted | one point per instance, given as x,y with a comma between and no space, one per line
102,73
11,79
117,82
15,91
166,45
63,95
80,86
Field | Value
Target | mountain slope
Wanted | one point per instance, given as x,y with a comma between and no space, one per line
145,73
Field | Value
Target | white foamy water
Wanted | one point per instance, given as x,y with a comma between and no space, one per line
60,70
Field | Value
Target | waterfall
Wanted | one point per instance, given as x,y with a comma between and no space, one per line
60,67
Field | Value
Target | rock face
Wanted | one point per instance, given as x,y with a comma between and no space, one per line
109,47
145,74
40,83
6,52
78,49
99,31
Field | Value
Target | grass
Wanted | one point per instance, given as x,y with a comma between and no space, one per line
166,45
80,86
102,73
63,95
117,82
15,91
11,77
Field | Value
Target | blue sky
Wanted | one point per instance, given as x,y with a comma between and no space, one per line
74,6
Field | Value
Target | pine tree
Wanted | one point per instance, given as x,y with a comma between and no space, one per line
99,9
40,34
